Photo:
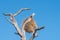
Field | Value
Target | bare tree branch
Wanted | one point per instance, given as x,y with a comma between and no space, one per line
17,13
40,28
14,22
22,9
6,14
8,20
34,34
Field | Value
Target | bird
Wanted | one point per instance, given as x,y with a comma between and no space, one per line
30,24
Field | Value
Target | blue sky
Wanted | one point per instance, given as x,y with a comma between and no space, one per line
47,14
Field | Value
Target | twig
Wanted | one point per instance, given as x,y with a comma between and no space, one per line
17,13
34,34
14,22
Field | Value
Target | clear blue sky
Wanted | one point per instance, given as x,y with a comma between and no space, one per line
47,13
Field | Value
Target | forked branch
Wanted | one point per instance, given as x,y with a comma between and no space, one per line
35,33
13,21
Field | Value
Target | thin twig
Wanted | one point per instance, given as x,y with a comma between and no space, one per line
22,9
8,20
34,34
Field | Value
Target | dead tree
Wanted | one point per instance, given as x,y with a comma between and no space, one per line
21,33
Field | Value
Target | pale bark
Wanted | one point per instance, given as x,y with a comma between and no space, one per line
13,21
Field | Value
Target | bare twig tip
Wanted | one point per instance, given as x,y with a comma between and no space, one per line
27,8
33,14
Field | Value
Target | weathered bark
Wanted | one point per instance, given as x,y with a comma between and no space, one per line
14,22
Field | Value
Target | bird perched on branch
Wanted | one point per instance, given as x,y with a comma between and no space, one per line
29,24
